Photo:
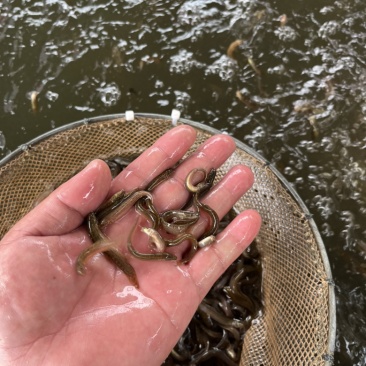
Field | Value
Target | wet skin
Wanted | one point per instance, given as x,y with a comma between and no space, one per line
49,312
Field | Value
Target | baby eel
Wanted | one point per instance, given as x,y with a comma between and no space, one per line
105,208
231,325
204,185
114,168
194,188
210,178
178,221
213,352
98,247
149,256
155,238
201,188
192,251
95,233
236,294
213,215
121,262
233,47
112,253
146,207
159,179
122,207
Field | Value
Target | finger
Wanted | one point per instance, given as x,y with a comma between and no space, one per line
164,153
211,262
211,154
223,196
65,208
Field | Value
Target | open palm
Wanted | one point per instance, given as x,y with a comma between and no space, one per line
50,315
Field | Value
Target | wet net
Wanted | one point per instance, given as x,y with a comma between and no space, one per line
296,325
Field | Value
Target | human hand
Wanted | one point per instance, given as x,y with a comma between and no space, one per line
50,315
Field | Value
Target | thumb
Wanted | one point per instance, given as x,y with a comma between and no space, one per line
66,207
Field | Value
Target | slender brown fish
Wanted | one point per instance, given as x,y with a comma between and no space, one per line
112,253
149,256
178,221
119,210
86,254
193,248
214,225
159,179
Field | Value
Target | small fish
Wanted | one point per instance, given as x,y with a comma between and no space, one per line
34,101
233,47
214,225
111,252
186,257
86,254
254,66
146,207
246,100
108,206
178,221
283,20
115,212
155,238
148,256
191,187
162,177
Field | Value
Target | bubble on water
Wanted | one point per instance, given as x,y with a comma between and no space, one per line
109,94
328,29
51,96
363,109
163,102
182,62
192,12
286,34
325,206
224,67
326,10
182,100
159,84
289,171
132,3
326,230
276,70
328,144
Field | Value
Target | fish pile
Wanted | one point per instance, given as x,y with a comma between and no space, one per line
216,332
176,224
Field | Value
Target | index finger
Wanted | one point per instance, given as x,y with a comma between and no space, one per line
164,153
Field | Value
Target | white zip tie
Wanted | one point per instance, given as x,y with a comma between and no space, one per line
175,116
129,115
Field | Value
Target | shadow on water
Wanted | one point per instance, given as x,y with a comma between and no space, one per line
293,89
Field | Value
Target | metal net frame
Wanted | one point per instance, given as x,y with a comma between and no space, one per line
297,323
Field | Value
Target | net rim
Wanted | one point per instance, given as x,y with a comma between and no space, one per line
249,151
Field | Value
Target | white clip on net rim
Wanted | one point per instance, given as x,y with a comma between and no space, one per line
130,115
175,116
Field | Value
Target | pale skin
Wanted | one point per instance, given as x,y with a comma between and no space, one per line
51,315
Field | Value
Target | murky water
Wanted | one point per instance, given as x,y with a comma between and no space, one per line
300,101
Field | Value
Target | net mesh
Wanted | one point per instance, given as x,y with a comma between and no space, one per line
293,327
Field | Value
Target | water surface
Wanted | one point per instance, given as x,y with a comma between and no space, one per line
300,101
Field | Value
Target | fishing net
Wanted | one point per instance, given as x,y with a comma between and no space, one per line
296,325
